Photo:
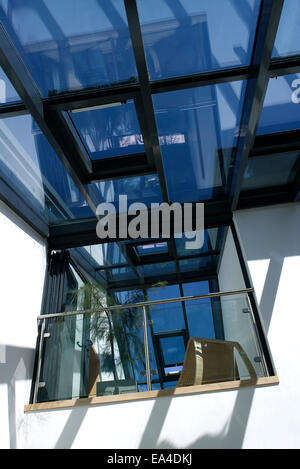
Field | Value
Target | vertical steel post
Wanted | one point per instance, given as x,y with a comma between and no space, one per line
39,363
146,345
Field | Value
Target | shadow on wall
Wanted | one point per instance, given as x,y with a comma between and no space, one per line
231,436
17,366
270,233
71,428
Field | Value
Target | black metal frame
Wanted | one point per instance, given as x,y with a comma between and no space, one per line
254,304
53,118
51,114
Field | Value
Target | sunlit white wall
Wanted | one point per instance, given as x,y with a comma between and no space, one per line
249,418
22,270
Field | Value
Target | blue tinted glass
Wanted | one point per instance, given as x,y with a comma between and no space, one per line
143,189
161,268
209,244
281,110
7,92
130,296
287,39
110,131
121,273
271,170
192,36
197,129
195,264
199,312
32,168
78,43
106,254
173,349
166,317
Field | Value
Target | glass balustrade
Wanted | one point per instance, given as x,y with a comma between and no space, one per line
140,347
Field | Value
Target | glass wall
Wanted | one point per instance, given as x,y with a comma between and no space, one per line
127,335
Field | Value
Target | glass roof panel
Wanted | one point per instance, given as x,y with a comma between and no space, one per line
110,131
271,170
80,44
33,170
281,110
198,129
7,92
287,39
183,37
210,239
197,263
120,274
158,269
142,189
106,254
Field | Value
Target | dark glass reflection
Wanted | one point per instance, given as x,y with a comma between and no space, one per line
271,170
173,349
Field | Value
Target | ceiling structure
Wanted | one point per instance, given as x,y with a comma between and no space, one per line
163,101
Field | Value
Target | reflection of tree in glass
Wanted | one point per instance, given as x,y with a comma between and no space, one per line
112,331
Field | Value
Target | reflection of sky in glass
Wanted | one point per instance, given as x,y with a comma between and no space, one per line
80,44
173,349
199,312
32,168
287,39
169,316
7,92
281,110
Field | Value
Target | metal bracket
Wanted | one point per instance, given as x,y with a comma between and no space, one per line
42,384
46,335
246,311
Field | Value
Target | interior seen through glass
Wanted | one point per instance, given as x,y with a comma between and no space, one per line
135,349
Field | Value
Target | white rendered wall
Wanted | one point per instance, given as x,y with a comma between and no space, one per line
22,271
248,418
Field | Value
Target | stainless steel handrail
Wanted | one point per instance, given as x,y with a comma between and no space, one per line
147,303
120,307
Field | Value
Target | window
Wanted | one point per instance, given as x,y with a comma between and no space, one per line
164,101
109,343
